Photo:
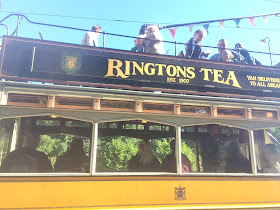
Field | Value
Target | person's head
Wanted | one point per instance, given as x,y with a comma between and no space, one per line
145,150
222,45
96,28
238,46
213,129
226,55
76,145
138,40
234,150
199,35
151,29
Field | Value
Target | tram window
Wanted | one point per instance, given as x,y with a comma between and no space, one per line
134,146
42,144
214,148
267,150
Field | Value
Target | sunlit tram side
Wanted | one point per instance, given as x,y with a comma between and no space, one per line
97,128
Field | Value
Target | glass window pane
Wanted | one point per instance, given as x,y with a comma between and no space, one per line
267,150
215,148
44,145
133,146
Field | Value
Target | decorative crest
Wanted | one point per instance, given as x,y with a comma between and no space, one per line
71,62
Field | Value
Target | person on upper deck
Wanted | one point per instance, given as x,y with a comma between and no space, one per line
223,45
193,47
248,59
153,41
91,37
138,44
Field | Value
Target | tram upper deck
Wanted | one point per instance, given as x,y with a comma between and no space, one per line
222,116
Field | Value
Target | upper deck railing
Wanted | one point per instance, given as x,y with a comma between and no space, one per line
175,47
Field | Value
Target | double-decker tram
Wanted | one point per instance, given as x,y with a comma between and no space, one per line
96,128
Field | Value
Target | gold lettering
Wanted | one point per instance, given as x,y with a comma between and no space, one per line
232,77
146,69
139,68
111,67
160,69
190,72
168,70
127,68
180,70
206,73
217,75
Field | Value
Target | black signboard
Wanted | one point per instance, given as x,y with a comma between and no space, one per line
31,59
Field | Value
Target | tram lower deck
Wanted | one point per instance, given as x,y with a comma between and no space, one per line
76,149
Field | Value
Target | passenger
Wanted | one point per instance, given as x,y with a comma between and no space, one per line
194,49
227,56
27,160
91,37
209,149
236,162
74,160
153,41
169,162
248,59
145,160
138,47
223,45
272,159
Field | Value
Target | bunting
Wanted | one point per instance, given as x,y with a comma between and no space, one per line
252,21
173,32
237,21
222,24
190,27
206,26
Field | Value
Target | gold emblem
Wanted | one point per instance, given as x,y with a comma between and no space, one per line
70,62
180,193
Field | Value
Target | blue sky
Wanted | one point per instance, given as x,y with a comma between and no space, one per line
160,12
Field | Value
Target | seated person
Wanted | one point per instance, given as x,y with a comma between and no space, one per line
248,59
194,49
138,47
74,160
26,160
169,162
209,149
272,159
145,160
227,56
223,45
153,42
236,162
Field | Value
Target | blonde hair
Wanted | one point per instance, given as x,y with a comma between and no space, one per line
145,151
229,53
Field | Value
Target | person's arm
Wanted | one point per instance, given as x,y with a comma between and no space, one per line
90,39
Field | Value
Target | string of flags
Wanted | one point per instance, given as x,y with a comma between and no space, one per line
206,25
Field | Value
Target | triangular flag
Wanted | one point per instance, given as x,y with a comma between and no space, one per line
222,24
252,21
173,32
206,26
237,21
265,19
190,27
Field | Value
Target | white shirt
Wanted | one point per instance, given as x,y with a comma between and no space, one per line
90,38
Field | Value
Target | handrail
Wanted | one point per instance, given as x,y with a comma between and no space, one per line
112,34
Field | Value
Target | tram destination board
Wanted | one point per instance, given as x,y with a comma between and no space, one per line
37,60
